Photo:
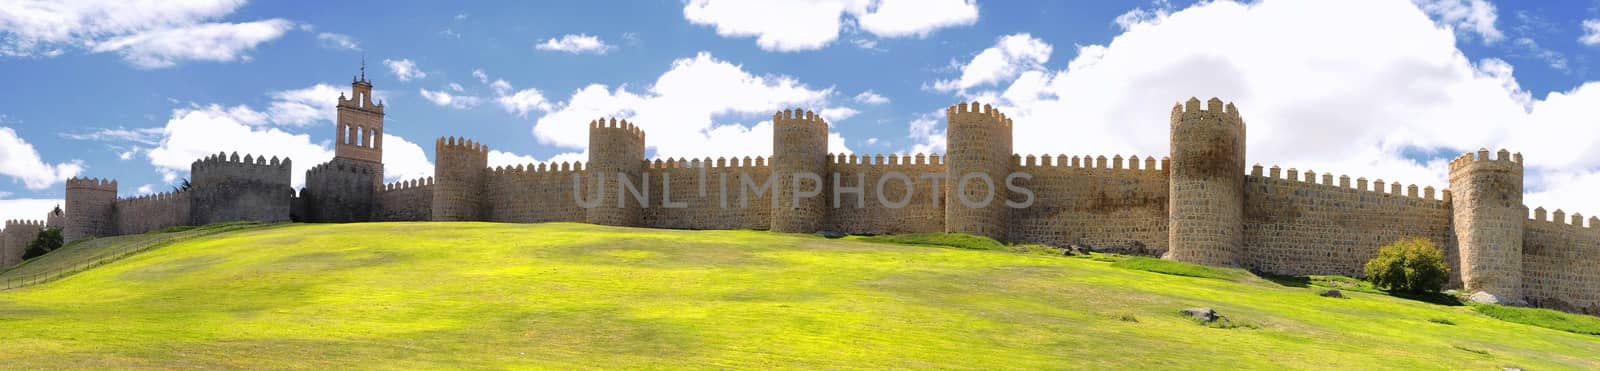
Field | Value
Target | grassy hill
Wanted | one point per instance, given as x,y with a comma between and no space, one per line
483,295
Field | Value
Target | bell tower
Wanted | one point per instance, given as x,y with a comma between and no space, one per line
358,131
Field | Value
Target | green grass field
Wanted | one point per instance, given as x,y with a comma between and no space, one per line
484,295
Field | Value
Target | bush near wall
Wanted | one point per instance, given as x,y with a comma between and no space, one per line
1412,265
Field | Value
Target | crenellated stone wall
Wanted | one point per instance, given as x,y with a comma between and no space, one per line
1200,205
15,238
707,194
153,212
1303,224
410,200
1108,205
229,188
1559,268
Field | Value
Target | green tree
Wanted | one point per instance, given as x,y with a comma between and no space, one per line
48,240
1412,265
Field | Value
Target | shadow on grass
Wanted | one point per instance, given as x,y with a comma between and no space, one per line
1286,281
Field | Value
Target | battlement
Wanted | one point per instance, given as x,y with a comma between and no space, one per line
97,184
720,162
1377,186
972,109
536,169
614,125
224,159
150,198
880,159
459,144
1560,217
408,184
340,167
798,117
1503,160
18,223
1116,162
1213,108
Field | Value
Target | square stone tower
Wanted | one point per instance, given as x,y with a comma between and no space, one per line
358,131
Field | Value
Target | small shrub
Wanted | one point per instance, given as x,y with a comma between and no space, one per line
48,240
1442,321
1411,265
1179,268
1547,318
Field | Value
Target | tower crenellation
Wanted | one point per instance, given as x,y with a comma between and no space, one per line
459,174
1488,218
1206,189
90,208
800,164
616,155
978,158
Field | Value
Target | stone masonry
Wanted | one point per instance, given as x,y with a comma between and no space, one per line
1201,205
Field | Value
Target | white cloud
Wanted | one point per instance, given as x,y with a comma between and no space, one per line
404,160
521,103
1008,58
1139,16
404,69
445,99
148,33
684,112
457,87
301,107
147,136
788,26
869,97
835,114
576,44
501,158
480,75
20,162
338,41
1393,99
501,87
28,208
216,42
1591,32
198,131
145,189
1474,16
508,159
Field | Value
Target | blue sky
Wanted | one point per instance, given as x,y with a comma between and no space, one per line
134,90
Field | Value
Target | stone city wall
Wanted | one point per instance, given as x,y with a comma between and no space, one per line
709,202
863,207
15,239
230,188
1109,205
532,193
152,212
408,200
1303,224
1559,268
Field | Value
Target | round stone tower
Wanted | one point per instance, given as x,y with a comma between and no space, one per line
458,179
799,148
1486,199
1206,188
977,161
616,152
90,204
